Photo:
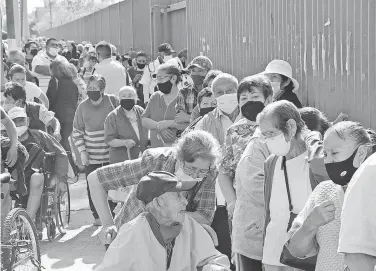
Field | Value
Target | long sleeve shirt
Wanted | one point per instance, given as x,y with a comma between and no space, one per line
88,128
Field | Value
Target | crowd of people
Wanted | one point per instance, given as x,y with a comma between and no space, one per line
212,173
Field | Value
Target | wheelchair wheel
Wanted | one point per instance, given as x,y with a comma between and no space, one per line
20,236
62,209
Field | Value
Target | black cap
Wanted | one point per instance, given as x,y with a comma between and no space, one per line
156,183
165,47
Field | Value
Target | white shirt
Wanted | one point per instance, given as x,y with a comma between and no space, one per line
133,120
32,91
358,219
114,73
300,189
147,80
42,59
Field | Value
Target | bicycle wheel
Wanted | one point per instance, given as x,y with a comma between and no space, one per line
20,233
62,209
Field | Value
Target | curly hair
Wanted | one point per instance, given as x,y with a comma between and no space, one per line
99,79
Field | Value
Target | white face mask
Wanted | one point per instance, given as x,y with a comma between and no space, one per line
276,86
278,145
21,130
227,103
165,58
186,178
53,51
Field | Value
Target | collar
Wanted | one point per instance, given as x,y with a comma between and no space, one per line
219,114
104,61
164,234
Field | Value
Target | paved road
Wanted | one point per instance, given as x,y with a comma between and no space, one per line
79,249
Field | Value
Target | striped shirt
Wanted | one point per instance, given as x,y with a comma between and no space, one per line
88,128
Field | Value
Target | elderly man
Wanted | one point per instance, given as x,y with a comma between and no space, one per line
217,123
41,63
164,237
113,72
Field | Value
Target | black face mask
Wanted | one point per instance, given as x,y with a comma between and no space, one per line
34,52
94,95
341,172
127,104
165,87
251,109
130,62
204,111
183,63
198,80
141,66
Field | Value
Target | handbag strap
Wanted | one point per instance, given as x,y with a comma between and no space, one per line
287,182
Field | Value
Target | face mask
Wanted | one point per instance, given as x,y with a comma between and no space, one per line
94,95
186,178
227,103
53,51
21,130
127,104
165,87
276,86
166,58
198,80
8,106
251,109
204,111
183,63
34,52
141,66
278,145
341,172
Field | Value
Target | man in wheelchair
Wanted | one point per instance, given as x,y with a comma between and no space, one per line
38,143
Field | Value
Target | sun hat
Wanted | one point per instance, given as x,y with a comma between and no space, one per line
281,67
17,112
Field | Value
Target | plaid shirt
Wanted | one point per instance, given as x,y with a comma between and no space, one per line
201,198
187,99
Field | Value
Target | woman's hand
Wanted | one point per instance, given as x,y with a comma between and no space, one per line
129,143
162,125
321,215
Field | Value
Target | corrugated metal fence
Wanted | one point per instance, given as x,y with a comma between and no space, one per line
331,44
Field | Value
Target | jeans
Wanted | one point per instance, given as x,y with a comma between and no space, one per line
89,169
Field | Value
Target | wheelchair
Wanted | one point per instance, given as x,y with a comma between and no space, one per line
54,209
19,240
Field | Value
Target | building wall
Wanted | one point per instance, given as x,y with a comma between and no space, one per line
331,44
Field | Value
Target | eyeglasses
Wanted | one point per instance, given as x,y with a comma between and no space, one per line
189,170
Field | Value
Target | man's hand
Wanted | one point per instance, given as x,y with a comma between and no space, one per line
109,233
321,215
137,78
212,234
129,143
57,136
231,208
85,158
62,188
12,156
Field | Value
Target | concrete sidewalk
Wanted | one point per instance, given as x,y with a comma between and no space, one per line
79,249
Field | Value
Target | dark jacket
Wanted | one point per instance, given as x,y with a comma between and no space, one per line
291,97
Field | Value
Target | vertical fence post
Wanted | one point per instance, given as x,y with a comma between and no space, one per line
165,25
157,28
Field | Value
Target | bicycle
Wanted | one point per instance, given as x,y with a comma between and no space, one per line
19,240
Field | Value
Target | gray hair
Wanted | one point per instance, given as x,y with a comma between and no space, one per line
225,77
281,112
198,144
349,130
99,79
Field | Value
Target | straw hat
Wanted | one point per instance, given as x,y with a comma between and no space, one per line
281,67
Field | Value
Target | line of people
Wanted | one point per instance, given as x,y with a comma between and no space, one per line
273,183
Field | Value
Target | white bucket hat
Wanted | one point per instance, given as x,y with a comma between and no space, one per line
281,67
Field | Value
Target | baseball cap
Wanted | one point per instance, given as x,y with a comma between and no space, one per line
17,112
156,183
165,47
202,62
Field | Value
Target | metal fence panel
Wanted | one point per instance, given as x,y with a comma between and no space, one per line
114,19
126,26
141,21
178,31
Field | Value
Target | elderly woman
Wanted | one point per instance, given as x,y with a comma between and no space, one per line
194,159
316,229
254,92
284,85
162,129
123,130
187,247
289,176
